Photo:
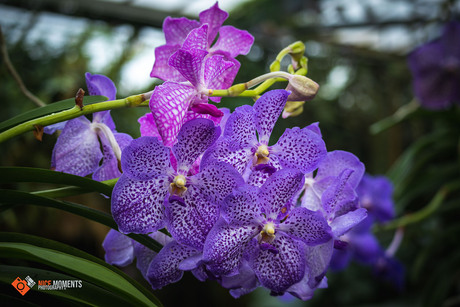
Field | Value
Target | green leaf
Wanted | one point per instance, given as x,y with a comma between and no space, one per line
79,267
88,293
10,197
46,110
28,174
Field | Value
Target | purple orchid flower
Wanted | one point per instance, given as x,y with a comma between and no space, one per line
174,103
239,146
149,183
375,193
230,43
78,148
261,225
435,68
331,193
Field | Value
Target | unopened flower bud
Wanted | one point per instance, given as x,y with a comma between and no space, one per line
293,108
302,88
297,50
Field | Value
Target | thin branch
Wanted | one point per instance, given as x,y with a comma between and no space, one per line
14,73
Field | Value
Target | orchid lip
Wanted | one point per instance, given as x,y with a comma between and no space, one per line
177,187
262,155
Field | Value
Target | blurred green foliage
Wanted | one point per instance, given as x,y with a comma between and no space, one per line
420,154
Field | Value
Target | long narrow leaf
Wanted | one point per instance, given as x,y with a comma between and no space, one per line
29,174
79,267
10,197
48,109
88,293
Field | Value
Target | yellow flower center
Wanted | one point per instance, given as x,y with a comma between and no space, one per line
262,154
177,187
267,234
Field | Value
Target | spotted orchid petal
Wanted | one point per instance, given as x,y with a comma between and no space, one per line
169,104
148,127
217,180
240,208
189,219
177,29
301,149
336,161
137,205
344,223
164,268
214,17
340,197
161,68
145,158
77,148
277,192
260,173
279,271
234,41
240,127
193,139
306,225
268,109
109,168
243,282
119,249
189,63
224,151
225,245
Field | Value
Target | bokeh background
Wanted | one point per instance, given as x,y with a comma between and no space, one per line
357,52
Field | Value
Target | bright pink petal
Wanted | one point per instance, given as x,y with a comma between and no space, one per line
177,29
234,41
148,126
214,17
169,104
161,68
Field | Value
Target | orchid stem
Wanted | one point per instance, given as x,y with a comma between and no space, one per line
131,101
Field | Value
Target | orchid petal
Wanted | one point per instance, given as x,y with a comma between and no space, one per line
241,208
109,168
100,85
148,127
224,151
306,225
268,108
300,148
161,68
197,39
77,148
280,271
234,41
145,158
169,104
214,17
190,219
137,206
318,259
164,268
240,127
177,29
260,173
278,191
217,180
118,248
344,223
189,63
340,197
193,139
225,245
336,161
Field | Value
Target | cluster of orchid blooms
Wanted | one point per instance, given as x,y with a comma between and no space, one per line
208,185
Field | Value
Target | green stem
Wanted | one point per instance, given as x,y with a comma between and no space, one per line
425,212
131,101
70,191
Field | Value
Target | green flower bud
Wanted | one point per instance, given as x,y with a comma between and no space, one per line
302,88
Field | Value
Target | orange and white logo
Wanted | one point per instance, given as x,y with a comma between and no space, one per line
23,286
